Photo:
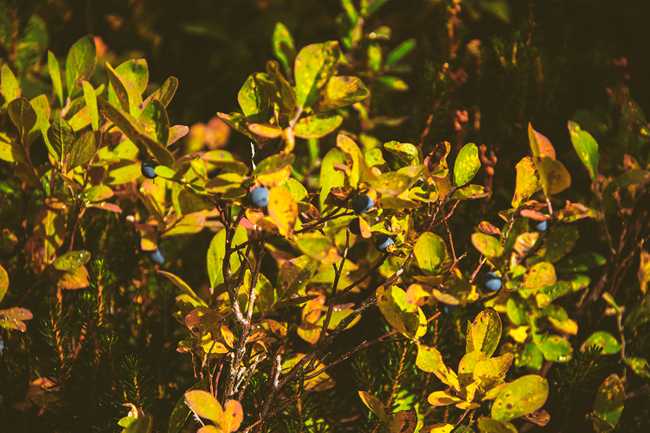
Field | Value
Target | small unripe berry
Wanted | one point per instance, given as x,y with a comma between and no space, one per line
383,242
157,257
259,197
541,226
148,170
362,203
493,282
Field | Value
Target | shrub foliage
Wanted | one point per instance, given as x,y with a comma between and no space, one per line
315,278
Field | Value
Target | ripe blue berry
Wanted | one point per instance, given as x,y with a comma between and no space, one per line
157,257
493,282
541,226
259,197
362,203
148,170
383,242
355,227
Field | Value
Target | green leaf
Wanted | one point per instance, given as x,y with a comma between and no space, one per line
130,127
560,240
342,91
70,261
520,397
527,181
393,83
398,312
484,333
487,245
639,366
253,97
80,63
317,125
586,147
55,75
9,86
183,286
204,405
22,115
91,102
555,348
283,46
32,44
467,164
330,176
83,150
217,252
609,404
61,137
318,246
470,192
118,92
540,275
606,342
429,359
530,356
489,425
4,282
399,52
406,152
155,122
430,251
164,93
313,68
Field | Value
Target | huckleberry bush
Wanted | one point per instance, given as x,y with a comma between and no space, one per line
334,281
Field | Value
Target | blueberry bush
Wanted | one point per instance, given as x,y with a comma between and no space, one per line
326,255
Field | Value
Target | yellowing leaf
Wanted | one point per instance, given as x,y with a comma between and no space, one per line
430,360
75,279
554,176
527,181
609,404
313,67
484,333
233,415
283,210
540,275
487,245
318,246
442,398
4,282
430,251
204,405
374,404
540,146
520,397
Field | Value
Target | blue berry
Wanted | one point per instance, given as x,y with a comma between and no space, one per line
148,170
259,197
157,257
541,226
383,242
493,282
355,227
362,203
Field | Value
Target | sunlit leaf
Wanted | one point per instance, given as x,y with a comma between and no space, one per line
586,147
467,164
430,251
484,333
520,397
79,63
313,67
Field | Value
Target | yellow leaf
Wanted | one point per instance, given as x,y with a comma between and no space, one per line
283,210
